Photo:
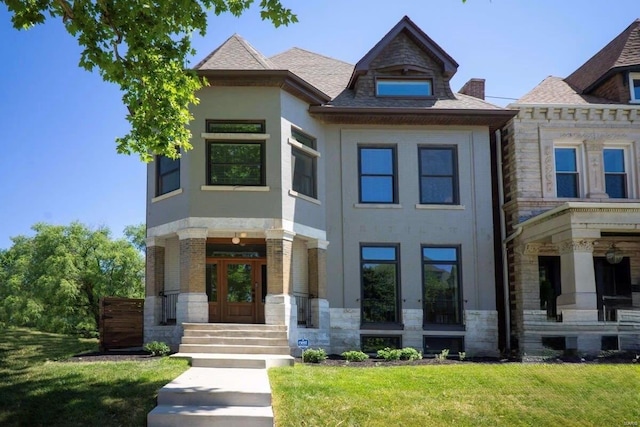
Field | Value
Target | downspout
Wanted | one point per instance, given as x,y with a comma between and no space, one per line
505,240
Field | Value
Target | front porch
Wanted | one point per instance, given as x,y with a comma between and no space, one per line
203,275
576,279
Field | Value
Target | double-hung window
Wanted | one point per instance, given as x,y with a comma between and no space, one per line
442,291
168,175
567,176
303,163
380,277
235,162
438,175
615,176
378,170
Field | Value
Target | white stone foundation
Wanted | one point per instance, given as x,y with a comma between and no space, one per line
192,308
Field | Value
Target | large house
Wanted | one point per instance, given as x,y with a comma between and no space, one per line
571,162
352,204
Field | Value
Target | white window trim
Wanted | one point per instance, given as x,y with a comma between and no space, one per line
235,136
580,168
167,195
377,205
430,206
234,188
632,77
308,150
628,165
304,197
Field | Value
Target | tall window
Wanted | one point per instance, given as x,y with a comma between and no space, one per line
303,163
442,294
380,284
615,176
438,175
168,175
377,167
235,162
567,173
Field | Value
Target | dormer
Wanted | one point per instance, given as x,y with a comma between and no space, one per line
614,72
404,64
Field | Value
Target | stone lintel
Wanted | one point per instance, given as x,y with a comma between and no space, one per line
192,233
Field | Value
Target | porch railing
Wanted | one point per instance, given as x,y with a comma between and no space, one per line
303,302
169,302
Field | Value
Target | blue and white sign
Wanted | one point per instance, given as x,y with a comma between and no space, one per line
303,343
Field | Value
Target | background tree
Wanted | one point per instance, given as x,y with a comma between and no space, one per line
54,280
142,46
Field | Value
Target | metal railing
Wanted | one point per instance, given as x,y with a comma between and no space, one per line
169,302
303,302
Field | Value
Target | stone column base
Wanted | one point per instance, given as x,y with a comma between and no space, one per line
578,316
192,308
281,309
152,310
577,300
320,316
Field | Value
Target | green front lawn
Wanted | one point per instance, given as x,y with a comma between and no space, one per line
463,394
37,389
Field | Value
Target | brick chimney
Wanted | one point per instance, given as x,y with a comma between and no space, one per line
474,87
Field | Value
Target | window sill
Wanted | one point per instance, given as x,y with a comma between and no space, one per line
441,327
304,197
440,207
382,326
234,188
302,147
167,195
377,206
235,136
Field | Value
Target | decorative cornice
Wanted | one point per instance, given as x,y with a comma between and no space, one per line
609,113
530,248
192,233
279,234
579,245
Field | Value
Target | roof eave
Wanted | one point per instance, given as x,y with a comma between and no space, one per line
495,119
283,78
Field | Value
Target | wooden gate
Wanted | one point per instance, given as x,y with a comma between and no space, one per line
121,322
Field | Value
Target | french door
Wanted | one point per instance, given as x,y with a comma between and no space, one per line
236,289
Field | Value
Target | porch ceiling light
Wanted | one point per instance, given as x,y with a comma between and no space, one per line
614,255
235,240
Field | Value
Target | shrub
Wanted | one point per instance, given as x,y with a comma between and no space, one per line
389,354
354,356
444,354
157,348
409,353
313,356
462,355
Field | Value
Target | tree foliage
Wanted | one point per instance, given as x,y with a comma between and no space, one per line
54,280
142,46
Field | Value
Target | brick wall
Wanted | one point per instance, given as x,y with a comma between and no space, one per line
279,272
154,270
192,265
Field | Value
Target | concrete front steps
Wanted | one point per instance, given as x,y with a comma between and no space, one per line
234,338
223,388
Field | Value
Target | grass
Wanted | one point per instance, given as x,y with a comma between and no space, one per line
37,388
462,394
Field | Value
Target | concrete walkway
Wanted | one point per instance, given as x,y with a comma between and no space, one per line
219,390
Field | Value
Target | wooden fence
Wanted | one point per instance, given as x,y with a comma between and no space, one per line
121,322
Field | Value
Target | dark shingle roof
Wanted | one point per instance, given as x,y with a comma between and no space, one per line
327,74
555,90
461,102
623,51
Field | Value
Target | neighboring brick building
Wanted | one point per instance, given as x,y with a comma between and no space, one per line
571,159
350,203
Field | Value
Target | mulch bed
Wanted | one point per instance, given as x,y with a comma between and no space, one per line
336,360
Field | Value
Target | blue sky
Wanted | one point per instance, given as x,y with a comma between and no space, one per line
58,122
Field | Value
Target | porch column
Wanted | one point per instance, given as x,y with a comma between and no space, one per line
192,305
280,306
578,301
154,281
317,256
